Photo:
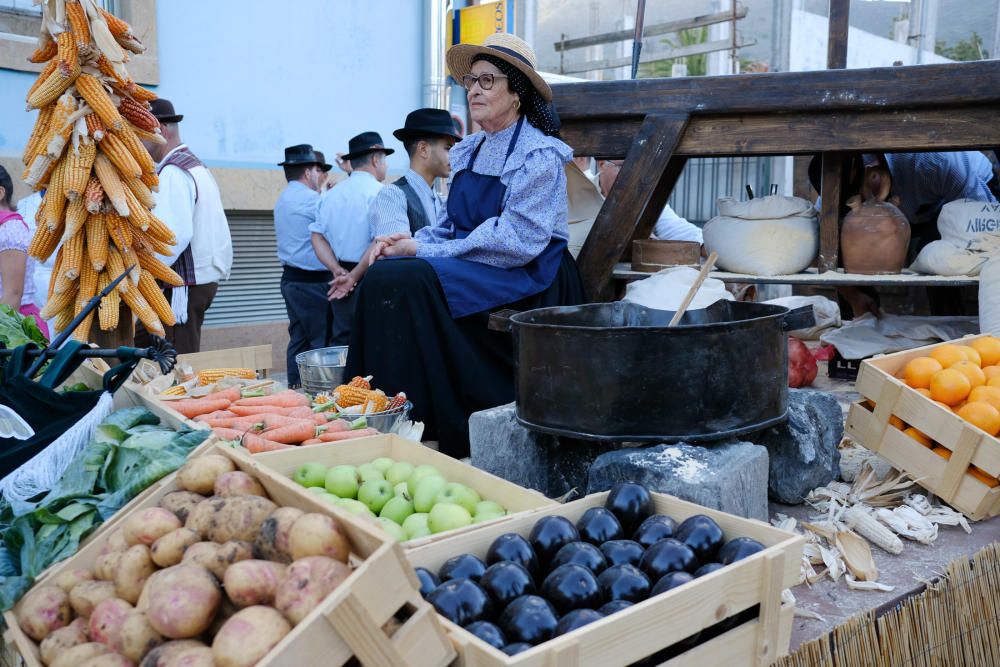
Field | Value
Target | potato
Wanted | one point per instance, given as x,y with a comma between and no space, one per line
272,540
317,535
252,582
117,541
217,557
248,636
43,610
164,655
58,641
181,503
142,604
105,623
199,474
238,483
197,656
169,549
109,660
306,583
68,579
106,565
88,594
138,637
148,525
134,567
231,518
183,600
76,656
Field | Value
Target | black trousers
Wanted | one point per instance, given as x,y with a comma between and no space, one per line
309,314
343,313
405,336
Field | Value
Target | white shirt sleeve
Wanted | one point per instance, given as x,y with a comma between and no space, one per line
175,207
672,227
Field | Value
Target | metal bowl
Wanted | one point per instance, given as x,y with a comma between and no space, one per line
322,369
386,422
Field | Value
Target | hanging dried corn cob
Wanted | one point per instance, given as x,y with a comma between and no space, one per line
86,151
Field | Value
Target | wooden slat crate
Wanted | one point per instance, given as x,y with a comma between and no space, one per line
948,479
363,450
659,622
348,624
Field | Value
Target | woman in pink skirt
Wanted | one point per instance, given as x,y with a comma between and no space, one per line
17,270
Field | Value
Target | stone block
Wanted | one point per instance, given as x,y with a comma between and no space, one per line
731,477
804,450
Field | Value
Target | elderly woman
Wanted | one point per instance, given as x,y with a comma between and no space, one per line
421,324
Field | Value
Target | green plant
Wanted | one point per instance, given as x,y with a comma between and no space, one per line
966,49
697,65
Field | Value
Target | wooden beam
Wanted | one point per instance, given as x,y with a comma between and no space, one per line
802,133
919,86
836,46
638,188
655,56
829,221
650,30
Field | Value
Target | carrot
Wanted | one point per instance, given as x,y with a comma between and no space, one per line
231,394
312,441
238,423
273,421
228,433
247,410
218,414
292,433
193,407
284,399
256,444
347,435
302,412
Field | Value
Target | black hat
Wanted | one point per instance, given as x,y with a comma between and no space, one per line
322,161
364,143
427,123
164,111
300,154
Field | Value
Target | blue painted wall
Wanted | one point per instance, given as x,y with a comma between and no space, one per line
254,77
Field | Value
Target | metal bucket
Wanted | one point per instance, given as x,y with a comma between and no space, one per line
322,369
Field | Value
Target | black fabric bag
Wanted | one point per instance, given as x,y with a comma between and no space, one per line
49,412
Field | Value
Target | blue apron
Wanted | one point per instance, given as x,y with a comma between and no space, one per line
471,287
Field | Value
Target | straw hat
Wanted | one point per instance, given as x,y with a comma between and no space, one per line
507,47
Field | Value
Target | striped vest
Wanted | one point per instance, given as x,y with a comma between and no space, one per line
184,159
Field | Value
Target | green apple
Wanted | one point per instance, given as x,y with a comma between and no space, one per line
397,508
415,526
394,529
447,516
375,494
310,474
343,481
383,463
318,490
487,510
368,472
459,494
427,491
418,474
328,497
399,472
355,507
401,489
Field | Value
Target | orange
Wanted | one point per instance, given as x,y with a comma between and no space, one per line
994,381
989,395
896,422
950,386
924,392
949,354
942,452
919,437
991,372
918,372
971,371
944,405
981,475
988,348
981,414
971,354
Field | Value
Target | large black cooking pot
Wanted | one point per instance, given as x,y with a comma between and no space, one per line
616,372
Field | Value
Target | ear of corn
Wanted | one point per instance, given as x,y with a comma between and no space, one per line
135,148
63,75
138,114
377,401
348,396
78,23
108,310
63,319
88,285
59,283
159,230
40,171
213,375
396,402
76,218
115,24
160,271
60,126
120,156
55,197
156,299
143,311
66,48
93,196
362,382
44,53
131,259
58,302
97,240
43,243
138,93
95,126
151,180
108,70
119,230
150,246
115,267
111,182
141,192
73,259
39,135
43,77
81,160
154,136
93,92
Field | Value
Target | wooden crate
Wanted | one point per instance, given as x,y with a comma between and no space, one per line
969,445
662,621
363,450
348,624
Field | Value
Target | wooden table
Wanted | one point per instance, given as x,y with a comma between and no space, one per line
657,124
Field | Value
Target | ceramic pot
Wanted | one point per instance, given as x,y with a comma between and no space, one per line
875,235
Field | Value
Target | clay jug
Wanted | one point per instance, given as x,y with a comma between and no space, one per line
875,235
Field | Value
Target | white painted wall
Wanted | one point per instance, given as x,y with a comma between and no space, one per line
808,41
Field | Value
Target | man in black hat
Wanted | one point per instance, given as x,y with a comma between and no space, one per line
340,235
410,202
190,204
304,279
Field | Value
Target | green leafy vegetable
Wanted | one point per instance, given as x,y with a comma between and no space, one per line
16,329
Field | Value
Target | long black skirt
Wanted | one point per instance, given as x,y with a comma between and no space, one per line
404,335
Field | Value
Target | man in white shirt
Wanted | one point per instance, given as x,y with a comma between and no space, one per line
341,235
189,203
669,226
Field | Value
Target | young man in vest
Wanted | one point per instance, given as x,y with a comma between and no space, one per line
410,202
189,203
